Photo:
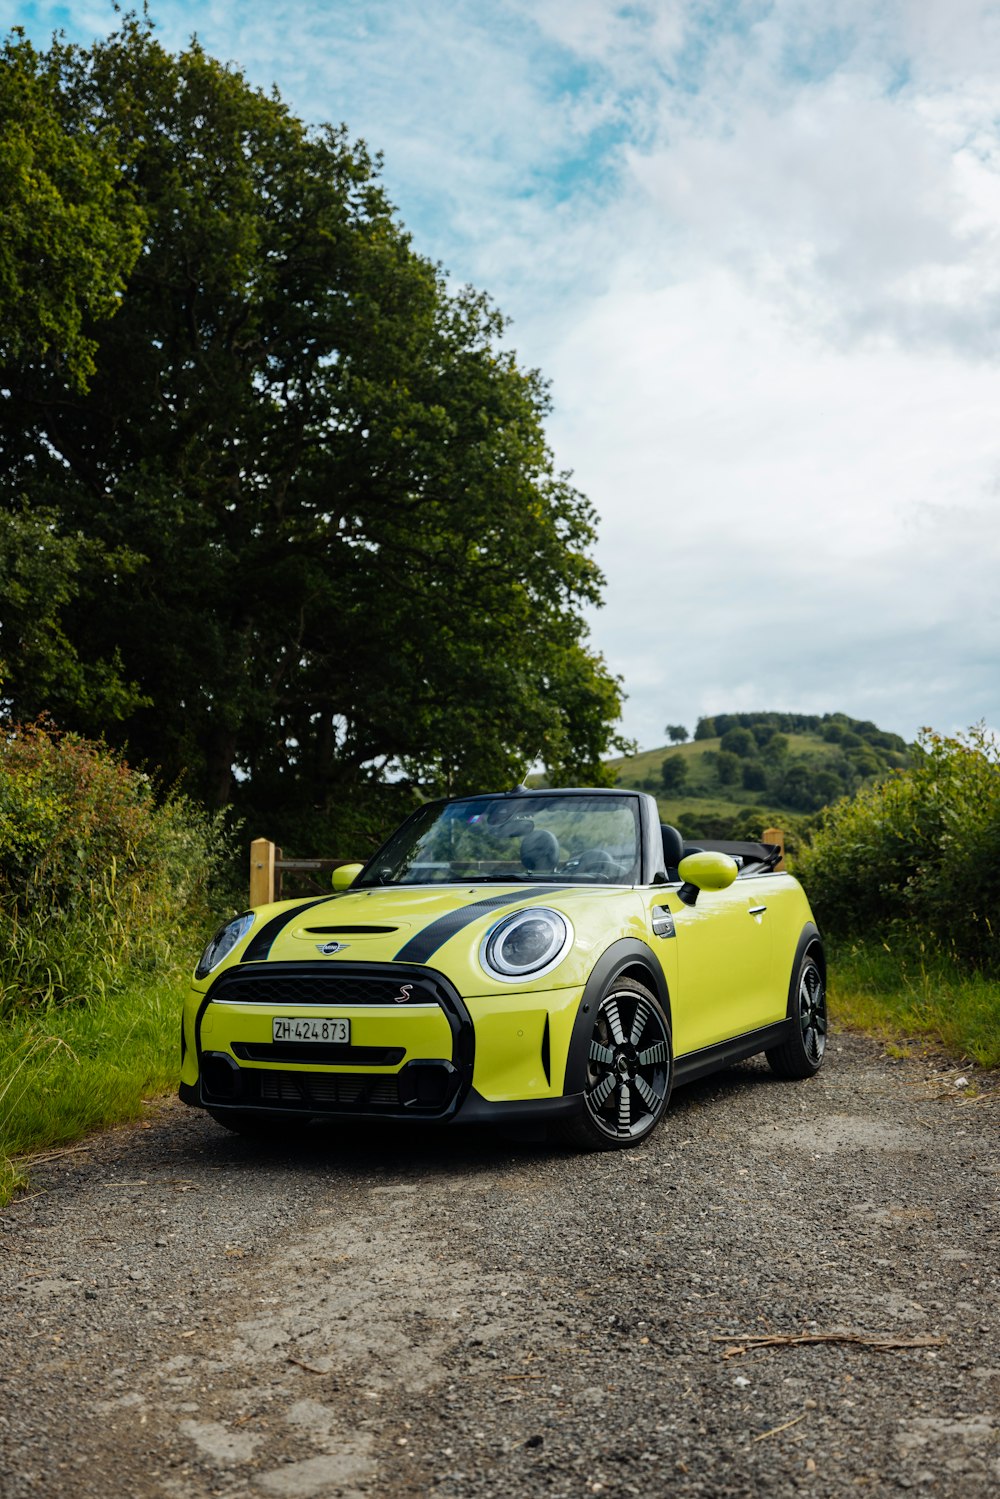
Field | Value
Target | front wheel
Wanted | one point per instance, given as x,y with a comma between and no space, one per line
629,1071
802,1054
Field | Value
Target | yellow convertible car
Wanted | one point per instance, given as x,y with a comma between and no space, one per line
533,955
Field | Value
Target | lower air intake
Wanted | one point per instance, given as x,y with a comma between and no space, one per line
324,1091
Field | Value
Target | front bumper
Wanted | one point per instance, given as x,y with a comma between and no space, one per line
474,1109
418,1050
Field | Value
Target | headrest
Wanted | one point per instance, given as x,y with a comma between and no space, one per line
539,850
673,846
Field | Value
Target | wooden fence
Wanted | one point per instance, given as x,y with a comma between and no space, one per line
267,868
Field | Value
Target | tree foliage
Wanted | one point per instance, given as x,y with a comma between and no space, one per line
40,566
739,742
69,224
304,523
728,768
673,773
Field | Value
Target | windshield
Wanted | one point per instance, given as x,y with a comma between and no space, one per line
585,839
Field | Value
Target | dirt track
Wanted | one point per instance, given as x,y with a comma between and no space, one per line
186,1314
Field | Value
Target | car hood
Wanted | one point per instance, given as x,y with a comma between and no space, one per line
438,926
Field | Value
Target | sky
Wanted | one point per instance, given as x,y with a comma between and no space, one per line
755,247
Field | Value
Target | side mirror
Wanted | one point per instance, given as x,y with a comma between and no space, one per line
705,871
345,875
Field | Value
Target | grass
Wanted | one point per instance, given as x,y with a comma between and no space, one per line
74,1068
890,991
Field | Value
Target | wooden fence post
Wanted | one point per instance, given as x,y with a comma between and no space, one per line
775,835
267,866
262,856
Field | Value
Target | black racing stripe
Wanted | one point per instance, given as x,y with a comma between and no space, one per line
421,947
261,944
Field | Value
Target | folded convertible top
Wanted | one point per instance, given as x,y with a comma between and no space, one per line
764,854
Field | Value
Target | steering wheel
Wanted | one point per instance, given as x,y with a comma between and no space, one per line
597,862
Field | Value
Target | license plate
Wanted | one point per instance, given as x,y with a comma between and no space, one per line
310,1028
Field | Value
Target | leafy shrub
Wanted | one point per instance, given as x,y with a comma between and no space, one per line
739,742
673,773
97,880
922,847
728,768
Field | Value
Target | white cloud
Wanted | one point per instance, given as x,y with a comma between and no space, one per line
785,524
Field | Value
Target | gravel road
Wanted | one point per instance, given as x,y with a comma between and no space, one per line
463,1315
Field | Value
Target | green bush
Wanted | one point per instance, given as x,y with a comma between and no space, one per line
728,768
919,850
673,774
739,742
98,881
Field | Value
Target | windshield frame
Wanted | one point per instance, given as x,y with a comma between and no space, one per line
645,815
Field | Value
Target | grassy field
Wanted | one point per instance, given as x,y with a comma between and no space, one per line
72,1069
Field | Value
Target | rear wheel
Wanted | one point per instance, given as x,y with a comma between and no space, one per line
802,1054
629,1071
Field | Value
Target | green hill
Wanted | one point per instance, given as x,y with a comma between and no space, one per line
745,771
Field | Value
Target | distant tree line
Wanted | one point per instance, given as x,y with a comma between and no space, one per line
829,726
277,514
755,754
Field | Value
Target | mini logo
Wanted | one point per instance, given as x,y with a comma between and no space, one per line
328,948
403,995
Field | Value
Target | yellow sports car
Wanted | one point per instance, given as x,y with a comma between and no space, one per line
533,955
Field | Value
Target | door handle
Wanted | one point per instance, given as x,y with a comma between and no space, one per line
756,910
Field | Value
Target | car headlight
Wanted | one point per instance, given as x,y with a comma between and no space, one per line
526,944
223,943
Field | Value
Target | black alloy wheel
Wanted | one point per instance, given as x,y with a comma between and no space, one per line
629,1070
802,1054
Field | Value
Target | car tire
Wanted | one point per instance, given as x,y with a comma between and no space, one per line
630,1068
258,1126
801,1055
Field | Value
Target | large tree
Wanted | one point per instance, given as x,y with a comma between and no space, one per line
311,514
69,224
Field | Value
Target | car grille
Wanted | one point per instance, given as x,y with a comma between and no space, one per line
271,985
302,1090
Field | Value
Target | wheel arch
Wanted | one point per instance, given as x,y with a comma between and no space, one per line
810,942
627,958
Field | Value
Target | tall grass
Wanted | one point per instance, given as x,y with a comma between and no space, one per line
892,989
100,880
106,893
68,1069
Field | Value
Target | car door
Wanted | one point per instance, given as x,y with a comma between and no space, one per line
724,984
